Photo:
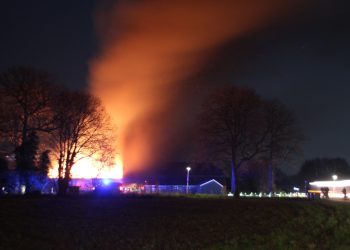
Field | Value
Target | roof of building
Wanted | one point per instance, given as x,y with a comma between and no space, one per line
211,181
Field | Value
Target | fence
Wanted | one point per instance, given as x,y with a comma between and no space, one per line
177,189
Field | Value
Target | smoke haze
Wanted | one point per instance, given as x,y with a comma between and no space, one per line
147,50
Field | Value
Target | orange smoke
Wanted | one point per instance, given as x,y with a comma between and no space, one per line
148,48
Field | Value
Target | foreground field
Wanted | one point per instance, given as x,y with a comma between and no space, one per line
171,223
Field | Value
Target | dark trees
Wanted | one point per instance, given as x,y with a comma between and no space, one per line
45,162
39,118
26,153
323,169
26,94
283,139
237,126
253,176
3,172
82,130
230,128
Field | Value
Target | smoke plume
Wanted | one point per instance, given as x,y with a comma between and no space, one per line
147,49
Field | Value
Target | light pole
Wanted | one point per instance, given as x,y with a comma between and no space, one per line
188,178
334,177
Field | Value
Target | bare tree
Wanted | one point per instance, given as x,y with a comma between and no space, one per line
231,128
284,136
82,130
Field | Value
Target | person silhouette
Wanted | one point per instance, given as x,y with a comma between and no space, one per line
325,192
344,192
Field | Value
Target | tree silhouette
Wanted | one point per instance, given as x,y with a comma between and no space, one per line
231,128
45,162
283,139
26,153
3,172
82,130
26,94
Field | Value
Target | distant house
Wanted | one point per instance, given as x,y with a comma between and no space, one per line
211,187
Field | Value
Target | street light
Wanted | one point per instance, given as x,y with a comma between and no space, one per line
334,177
188,178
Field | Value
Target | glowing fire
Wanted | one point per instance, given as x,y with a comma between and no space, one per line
88,167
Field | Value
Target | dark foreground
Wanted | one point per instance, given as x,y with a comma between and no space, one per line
171,223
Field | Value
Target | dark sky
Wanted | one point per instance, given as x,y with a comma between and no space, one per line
57,36
303,61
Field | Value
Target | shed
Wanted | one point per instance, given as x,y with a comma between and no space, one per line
211,187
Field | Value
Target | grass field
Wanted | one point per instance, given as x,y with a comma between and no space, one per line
172,223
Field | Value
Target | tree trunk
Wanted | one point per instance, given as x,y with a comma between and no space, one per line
234,182
270,169
270,177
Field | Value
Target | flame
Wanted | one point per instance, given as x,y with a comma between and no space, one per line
89,167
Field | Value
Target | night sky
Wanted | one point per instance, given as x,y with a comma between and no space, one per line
303,61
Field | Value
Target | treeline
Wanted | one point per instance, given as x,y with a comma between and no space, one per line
42,123
321,169
317,169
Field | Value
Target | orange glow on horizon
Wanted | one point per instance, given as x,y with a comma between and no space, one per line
88,167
